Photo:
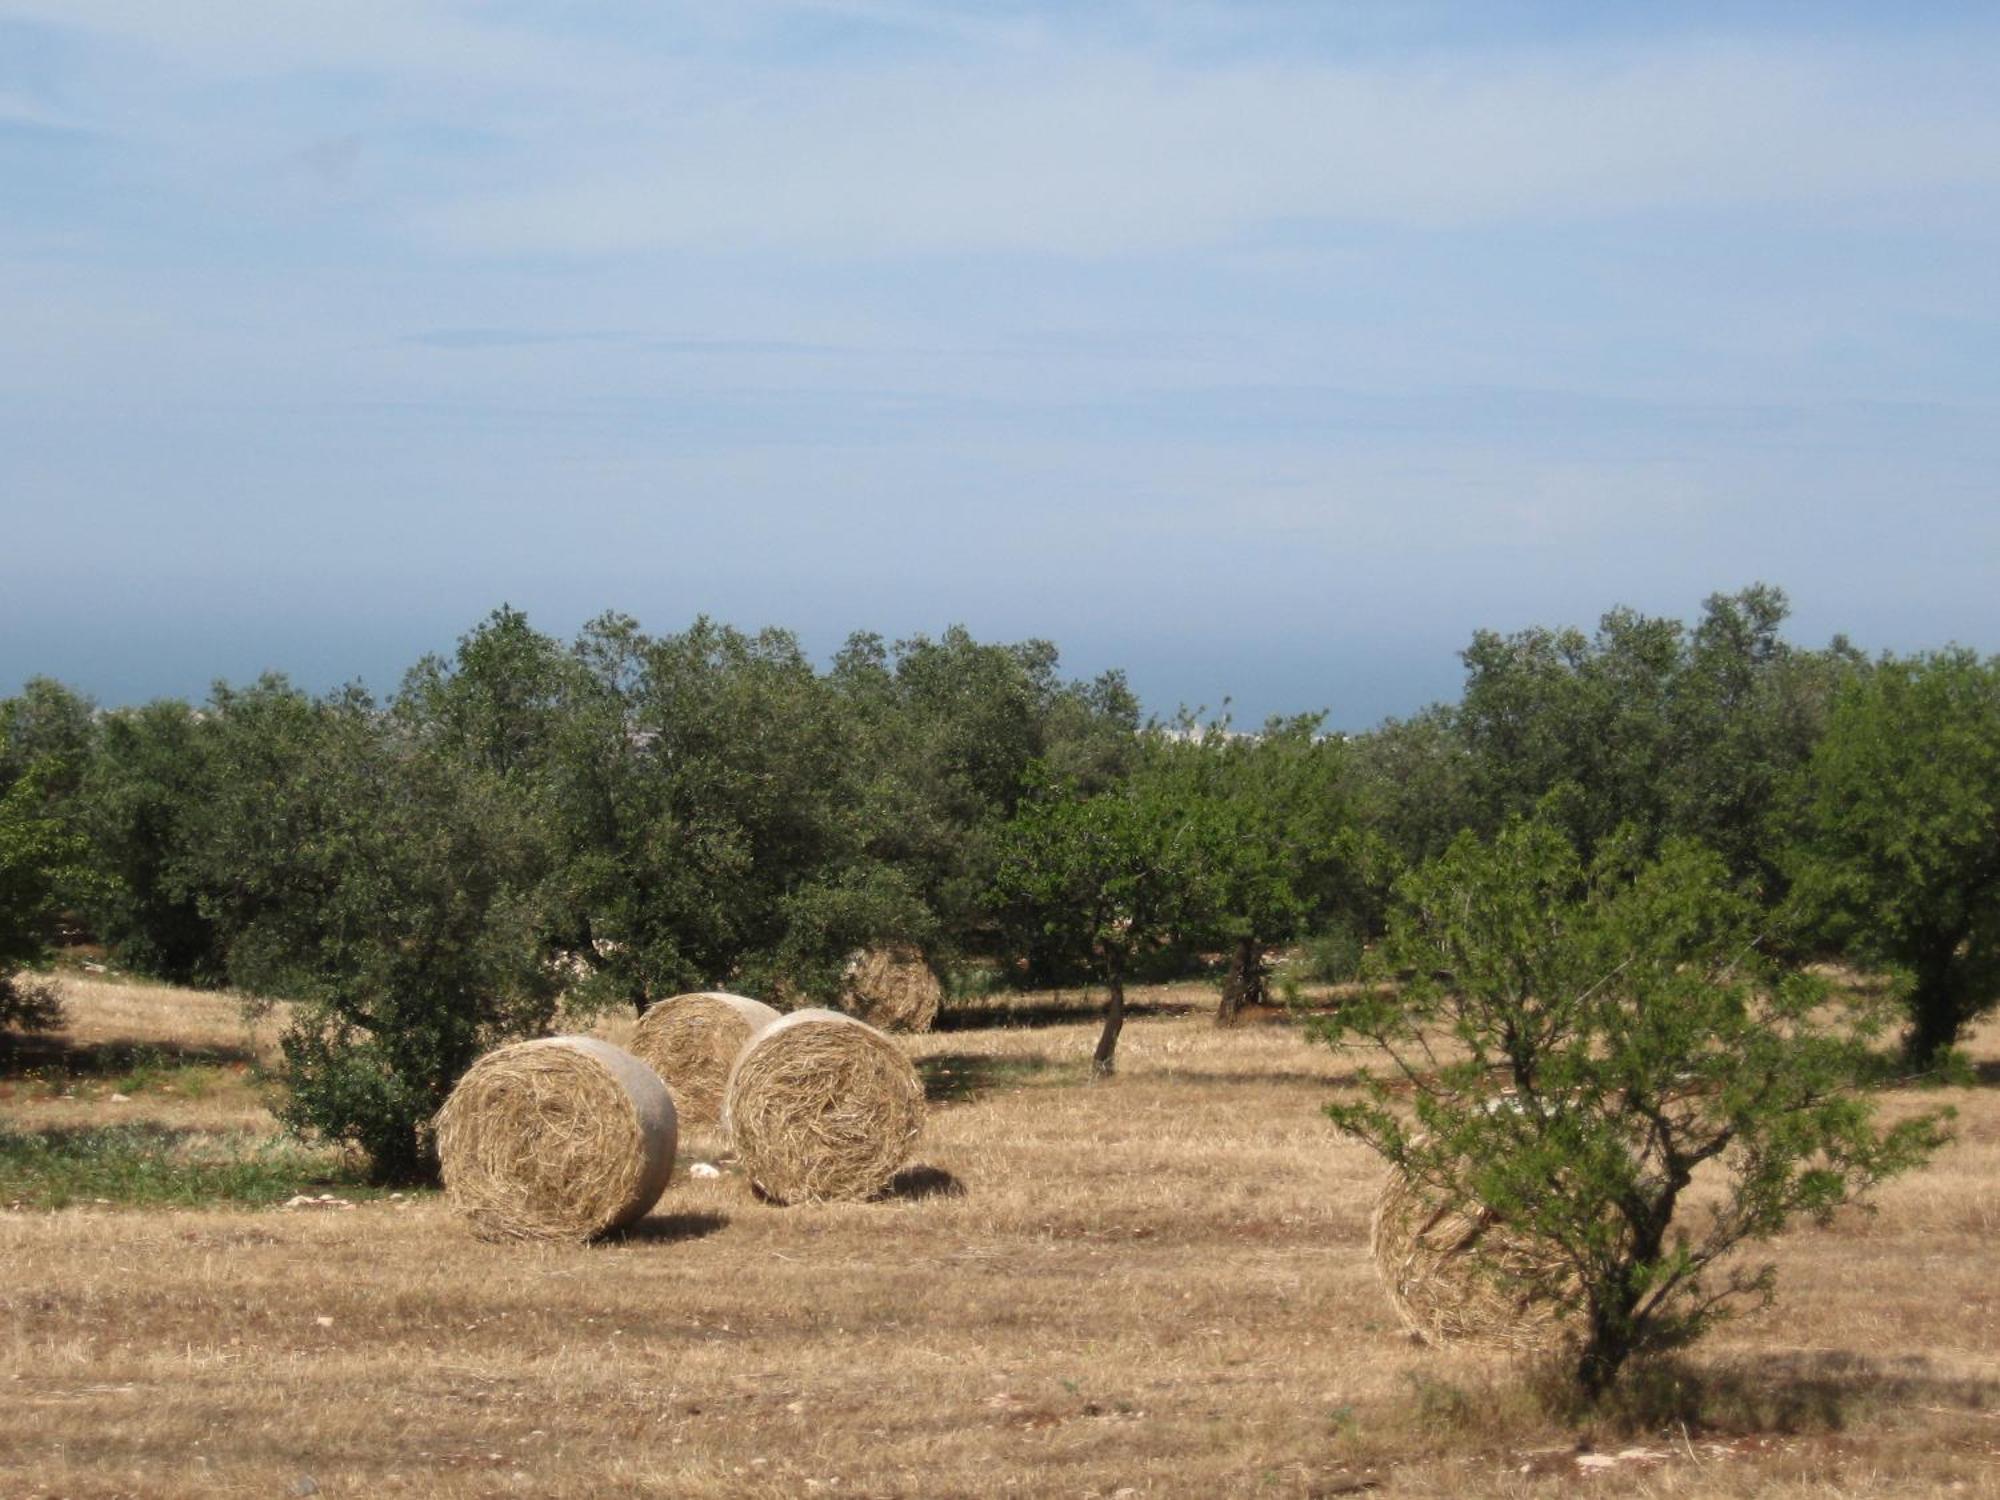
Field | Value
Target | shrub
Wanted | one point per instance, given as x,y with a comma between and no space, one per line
1607,1029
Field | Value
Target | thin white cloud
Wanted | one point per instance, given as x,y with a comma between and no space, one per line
1108,156
247,36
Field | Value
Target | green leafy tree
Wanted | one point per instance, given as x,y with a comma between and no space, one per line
1575,720
940,734
1413,788
1103,876
40,858
1897,849
1279,850
52,728
394,890
140,799
1580,1040
1744,711
1650,725
705,792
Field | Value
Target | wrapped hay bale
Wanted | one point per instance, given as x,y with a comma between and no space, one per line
822,1106
557,1139
691,1040
894,988
1458,1276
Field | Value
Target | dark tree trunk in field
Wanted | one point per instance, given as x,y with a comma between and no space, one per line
1937,1009
1615,1330
1244,983
1104,1061
1604,1355
1609,1342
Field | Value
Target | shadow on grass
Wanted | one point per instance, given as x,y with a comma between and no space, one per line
23,1056
1802,1393
669,1229
1266,1077
989,1015
916,1183
954,1077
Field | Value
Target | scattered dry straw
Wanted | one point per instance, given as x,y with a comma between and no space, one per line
690,1041
557,1139
822,1106
893,988
1457,1275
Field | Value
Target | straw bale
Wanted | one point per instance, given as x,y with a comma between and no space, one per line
822,1106
893,988
691,1040
1457,1275
557,1139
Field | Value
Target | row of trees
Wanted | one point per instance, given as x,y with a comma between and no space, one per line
533,824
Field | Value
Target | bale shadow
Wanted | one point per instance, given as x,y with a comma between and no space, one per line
954,1077
23,1055
669,1229
913,1184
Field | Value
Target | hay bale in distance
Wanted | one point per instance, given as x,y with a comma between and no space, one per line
557,1139
1458,1276
822,1106
892,988
691,1040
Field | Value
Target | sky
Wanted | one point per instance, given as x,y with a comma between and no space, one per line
1264,350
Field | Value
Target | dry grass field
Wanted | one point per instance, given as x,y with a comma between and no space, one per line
1157,1286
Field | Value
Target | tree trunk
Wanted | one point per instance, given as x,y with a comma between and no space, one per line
1244,983
1104,1061
1608,1345
1936,1016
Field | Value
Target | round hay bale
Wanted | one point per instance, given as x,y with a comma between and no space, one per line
1457,1275
557,1139
821,1106
690,1041
894,988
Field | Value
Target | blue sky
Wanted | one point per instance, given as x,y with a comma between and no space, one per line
1264,349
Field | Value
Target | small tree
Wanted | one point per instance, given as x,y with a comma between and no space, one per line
1578,1042
1104,877
1897,855
1278,844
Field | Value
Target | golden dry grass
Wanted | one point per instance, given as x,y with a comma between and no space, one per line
1158,1286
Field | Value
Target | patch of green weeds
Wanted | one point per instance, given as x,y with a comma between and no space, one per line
146,1165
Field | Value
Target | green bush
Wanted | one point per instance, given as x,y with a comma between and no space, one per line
1610,1027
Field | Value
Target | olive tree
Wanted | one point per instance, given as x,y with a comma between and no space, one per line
39,859
395,891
